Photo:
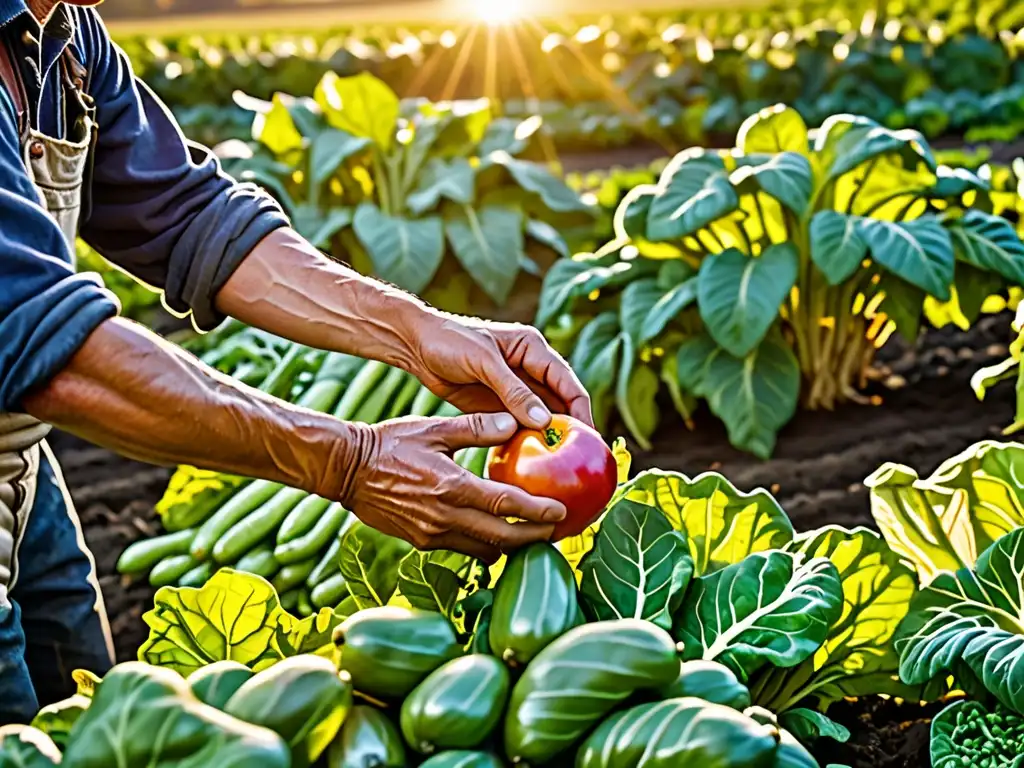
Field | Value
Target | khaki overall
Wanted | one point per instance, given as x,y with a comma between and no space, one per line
57,168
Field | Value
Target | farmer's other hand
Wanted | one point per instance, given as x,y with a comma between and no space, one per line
486,367
404,482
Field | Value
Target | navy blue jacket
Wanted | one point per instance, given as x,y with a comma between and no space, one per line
161,209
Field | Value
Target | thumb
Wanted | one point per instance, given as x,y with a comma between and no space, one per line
477,430
528,409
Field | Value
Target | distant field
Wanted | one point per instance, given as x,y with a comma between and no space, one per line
310,16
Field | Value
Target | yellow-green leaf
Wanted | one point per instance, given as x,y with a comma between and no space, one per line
361,105
276,130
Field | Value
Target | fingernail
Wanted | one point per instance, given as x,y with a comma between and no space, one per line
539,415
554,514
503,422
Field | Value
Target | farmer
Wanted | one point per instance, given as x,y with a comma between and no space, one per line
87,149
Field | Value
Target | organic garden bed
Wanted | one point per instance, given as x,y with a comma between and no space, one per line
927,414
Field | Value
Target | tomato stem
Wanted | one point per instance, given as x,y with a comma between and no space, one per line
552,436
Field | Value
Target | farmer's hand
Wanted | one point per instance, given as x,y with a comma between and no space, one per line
481,366
401,479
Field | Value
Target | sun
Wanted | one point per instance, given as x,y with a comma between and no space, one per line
498,12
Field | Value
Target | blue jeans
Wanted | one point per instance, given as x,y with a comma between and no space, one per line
56,621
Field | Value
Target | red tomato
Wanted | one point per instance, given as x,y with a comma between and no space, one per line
568,461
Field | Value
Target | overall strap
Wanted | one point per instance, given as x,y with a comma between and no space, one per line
10,78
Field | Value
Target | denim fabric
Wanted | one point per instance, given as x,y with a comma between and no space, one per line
56,624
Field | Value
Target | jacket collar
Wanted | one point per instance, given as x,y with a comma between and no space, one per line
60,24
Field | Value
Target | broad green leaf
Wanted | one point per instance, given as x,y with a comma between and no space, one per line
862,144
596,361
638,299
451,179
770,608
942,522
572,279
971,621
317,226
368,561
430,580
330,149
918,251
966,733
192,494
233,617
902,303
553,192
809,726
693,359
24,746
722,525
276,130
787,177
756,395
630,219
773,129
488,243
147,716
361,104
684,402
837,248
955,182
506,134
740,295
85,682
56,720
989,242
636,393
405,252
857,658
639,567
545,234
667,308
693,191
309,635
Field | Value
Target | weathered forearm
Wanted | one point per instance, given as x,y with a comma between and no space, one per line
128,390
287,287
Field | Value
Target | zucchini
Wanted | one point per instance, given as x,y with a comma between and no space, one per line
198,576
330,592
579,678
293,575
290,600
215,683
388,651
260,562
142,555
367,740
302,518
315,540
279,382
535,602
168,571
257,526
303,605
302,699
447,411
425,404
328,565
684,731
463,759
457,706
369,376
710,681
476,460
403,400
376,405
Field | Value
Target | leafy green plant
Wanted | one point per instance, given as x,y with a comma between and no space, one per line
396,193
768,276
966,733
1010,368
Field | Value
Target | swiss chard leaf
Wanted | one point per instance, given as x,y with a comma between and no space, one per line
329,149
309,635
545,234
276,130
693,191
23,746
433,581
489,244
990,243
596,361
368,561
534,178
451,179
918,251
773,129
361,104
56,720
783,617
808,726
405,252
836,245
639,567
786,176
636,392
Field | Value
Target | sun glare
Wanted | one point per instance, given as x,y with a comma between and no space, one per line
498,12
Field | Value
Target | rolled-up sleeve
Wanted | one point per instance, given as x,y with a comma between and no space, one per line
162,209
46,310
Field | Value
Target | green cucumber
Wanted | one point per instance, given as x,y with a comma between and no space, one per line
579,678
256,526
328,565
457,706
303,699
403,400
168,571
476,460
290,600
710,681
330,592
461,758
198,576
388,651
535,602
425,404
684,731
367,740
293,575
316,540
447,411
359,389
303,605
215,683
302,518
279,382
142,555
376,405
260,561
